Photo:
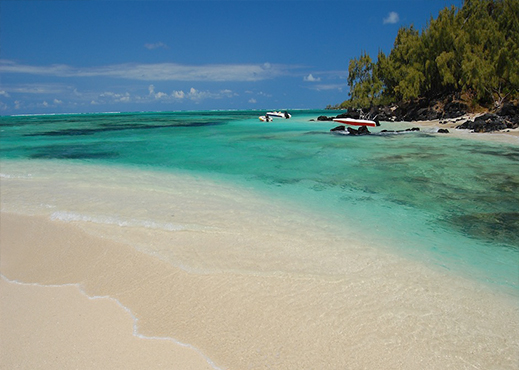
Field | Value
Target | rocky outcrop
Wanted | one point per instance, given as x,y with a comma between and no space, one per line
491,122
445,108
421,110
324,118
416,110
355,114
338,128
362,130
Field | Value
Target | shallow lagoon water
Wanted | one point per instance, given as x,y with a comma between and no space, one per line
450,202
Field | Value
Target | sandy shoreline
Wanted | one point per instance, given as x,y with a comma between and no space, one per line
50,327
49,321
510,136
237,321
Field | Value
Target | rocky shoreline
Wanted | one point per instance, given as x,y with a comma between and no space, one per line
504,118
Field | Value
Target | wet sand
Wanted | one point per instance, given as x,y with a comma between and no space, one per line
394,316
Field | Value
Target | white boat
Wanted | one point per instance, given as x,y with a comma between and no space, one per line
266,118
279,114
355,122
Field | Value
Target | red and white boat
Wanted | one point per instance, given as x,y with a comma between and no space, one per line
355,122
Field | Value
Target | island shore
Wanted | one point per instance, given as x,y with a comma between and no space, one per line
508,135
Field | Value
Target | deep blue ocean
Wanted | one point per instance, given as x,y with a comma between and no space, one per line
454,200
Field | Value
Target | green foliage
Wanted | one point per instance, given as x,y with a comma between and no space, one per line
365,87
473,50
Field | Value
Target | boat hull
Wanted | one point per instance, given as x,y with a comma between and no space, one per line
355,122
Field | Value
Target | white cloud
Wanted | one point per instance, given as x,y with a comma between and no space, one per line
253,101
194,94
160,95
157,95
179,94
156,46
392,18
4,93
311,78
57,101
157,72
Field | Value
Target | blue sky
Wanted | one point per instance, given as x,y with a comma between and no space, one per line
106,56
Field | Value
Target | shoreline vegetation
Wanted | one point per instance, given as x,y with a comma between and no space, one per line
465,63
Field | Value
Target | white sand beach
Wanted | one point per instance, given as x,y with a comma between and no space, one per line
51,327
381,311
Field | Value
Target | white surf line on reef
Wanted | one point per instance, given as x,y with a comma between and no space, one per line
134,318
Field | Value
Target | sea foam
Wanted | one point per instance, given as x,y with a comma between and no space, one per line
110,220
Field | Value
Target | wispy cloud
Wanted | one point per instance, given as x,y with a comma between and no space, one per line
197,95
156,72
392,18
50,88
156,45
324,87
115,97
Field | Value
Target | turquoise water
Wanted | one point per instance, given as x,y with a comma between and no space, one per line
452,202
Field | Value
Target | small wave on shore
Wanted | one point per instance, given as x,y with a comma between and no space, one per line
109,220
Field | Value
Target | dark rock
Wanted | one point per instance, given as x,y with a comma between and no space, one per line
443,131
324,118
454,109
508,109
338,128
419,110
382,113
424,109
486,123
355,114
363,130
